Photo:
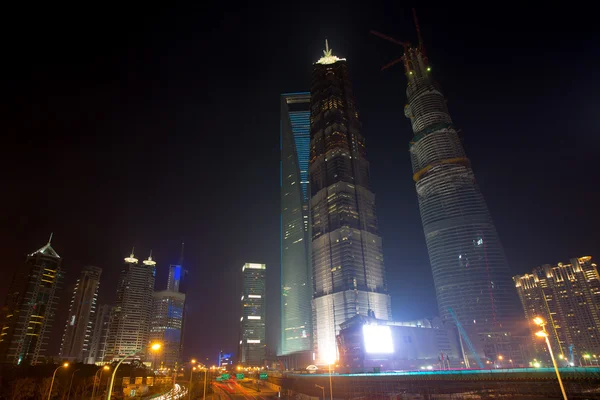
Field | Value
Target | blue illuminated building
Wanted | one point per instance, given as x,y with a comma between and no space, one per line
168,318
296,264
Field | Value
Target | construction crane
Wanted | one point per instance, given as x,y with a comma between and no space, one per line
465,337
405,45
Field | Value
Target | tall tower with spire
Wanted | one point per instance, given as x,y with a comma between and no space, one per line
470,271
129,327
28,314
347,257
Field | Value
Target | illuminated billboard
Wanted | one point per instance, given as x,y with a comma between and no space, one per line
378,339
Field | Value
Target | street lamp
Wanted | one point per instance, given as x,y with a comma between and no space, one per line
192,361
544,334
323,389
65,365
154,347
105,368
71,384
329,362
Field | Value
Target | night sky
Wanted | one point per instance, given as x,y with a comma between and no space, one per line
148,127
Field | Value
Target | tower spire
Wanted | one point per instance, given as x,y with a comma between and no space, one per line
181,255
50,238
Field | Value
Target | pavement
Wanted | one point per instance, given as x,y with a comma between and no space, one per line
235,391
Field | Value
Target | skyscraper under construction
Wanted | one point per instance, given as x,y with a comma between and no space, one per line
470,271
347,257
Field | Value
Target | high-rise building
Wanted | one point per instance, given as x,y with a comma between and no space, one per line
567,297
347,257
77,336
129,326
28,313
100,334
296,263
253,348
166,326
470,271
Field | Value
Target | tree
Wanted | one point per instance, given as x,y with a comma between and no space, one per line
23,389
42,388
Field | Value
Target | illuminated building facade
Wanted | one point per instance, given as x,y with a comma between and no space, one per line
130,318
367,344
252,322
567,297
167,326
470,271
100,334
296,264
168,317
77,336
225,360
28,314
347,258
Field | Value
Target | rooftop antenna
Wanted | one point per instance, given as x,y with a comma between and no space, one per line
50,238
132,251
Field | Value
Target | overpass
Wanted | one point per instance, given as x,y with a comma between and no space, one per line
514,384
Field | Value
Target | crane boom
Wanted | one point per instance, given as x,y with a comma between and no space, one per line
465,337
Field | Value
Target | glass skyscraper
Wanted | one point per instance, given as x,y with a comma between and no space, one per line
166,326
129,326
253,349
470,271
347,258
296,266
77,337
28,314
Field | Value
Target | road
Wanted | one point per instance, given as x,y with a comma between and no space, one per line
234,391
177,392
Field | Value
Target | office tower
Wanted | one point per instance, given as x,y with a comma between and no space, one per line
470,271
567,297
252,323
130,318
296,263
347,258
166,326
28,313
100,334
225,360
76,339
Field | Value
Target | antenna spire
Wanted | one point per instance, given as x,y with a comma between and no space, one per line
181,255
421,47
132,251
50,238
150,257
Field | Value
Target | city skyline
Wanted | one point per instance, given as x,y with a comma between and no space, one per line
88,208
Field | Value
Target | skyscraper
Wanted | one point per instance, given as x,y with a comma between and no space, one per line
100,334
129,325
470,271
567,297
28,313
252,322
77,336
296,263
347,258
166,326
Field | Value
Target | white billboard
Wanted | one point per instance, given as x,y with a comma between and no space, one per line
378,339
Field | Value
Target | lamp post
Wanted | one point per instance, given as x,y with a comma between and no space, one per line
192,369
544,334
105,368
323,389
65,365
330,384
586,357
154,347
71,384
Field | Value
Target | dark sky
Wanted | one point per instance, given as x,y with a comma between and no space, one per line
146,127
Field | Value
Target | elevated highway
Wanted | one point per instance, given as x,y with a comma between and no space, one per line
514,384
